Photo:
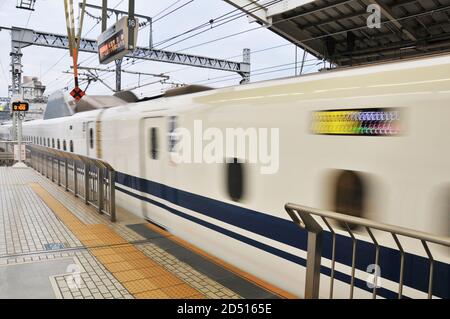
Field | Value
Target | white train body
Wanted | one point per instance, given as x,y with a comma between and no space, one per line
407,176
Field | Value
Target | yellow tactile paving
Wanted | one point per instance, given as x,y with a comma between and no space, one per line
118,267
110,259
152,272
124,249
102,251
139,286
142,263
199,296
154,294
165,281
180,291
129,275
133,255
142,277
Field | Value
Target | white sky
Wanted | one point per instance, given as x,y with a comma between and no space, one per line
49,16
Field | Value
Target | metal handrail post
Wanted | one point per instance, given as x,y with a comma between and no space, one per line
59,172
66,173
112,194
53,170
86,183
75,179
100,189
46,165
315,243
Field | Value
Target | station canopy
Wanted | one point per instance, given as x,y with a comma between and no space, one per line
337,30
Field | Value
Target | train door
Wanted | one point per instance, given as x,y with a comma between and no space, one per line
90,139
154,164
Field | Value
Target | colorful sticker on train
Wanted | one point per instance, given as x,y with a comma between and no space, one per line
354,122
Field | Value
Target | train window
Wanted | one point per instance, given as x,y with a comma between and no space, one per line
48,142
235,179
71,146
59,144
91,138
53,142
45,144
154,143
40,141
64,145
350,194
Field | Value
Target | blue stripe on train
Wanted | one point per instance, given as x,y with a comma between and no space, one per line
284,231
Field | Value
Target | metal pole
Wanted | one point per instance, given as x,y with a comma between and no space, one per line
86,183
66,174
150,43
303,62
100,189
59,172
315,240
112,195
19,137
47,157
131,24
53,170
14,118
75,179
104,15
246,73
119,75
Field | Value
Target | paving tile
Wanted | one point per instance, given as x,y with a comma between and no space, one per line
154,294
145,270
180,291
139,286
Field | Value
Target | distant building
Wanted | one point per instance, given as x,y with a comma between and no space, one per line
4,109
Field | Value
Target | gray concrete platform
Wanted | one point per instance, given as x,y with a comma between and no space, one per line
44,256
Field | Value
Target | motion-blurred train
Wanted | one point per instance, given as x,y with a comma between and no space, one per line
370,141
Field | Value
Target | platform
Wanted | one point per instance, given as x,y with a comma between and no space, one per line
52,245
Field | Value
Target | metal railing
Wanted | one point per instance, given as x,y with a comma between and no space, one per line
304,217
6,158
91,179
6,153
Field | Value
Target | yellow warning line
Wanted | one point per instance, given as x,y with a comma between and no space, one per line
249,277
140,275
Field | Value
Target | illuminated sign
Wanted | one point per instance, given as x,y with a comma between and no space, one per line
114,44
20,107
362,122
112,47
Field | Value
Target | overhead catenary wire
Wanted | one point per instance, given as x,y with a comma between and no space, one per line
170,12
85,35
212,23
166,8
322,36
106,76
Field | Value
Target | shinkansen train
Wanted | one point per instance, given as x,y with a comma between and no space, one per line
370,141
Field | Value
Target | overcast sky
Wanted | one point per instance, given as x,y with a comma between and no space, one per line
49,16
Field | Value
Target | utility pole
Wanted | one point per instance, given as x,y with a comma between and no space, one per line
104,15
131,25
118,75
16,95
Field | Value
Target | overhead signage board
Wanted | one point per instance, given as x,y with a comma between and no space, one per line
114,44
